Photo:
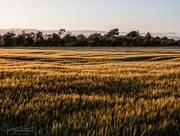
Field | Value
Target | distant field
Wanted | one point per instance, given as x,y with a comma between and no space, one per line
91,90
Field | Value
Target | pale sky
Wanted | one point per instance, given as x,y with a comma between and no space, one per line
127,15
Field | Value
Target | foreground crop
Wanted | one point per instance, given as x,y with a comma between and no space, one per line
91,91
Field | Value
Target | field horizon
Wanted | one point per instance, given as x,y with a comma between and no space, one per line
171,35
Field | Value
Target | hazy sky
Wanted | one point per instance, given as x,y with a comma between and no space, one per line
127,15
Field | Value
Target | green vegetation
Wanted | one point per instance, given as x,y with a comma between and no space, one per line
112,38
91,90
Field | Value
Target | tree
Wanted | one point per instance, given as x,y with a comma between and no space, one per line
70,40
61,32
55,39
39,39
133,34
0,39
82,40
7,39
21,39
178,43
112,38
148,35
30,39
164,38
113,32
94,39
148,40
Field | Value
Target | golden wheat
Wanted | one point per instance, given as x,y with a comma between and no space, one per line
91,90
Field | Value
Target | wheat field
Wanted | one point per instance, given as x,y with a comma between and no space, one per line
95,91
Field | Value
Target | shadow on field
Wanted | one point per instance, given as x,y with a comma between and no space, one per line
164,58
35,52
20,58
142,58
71,60
145,58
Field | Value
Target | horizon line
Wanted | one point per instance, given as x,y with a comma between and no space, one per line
160,32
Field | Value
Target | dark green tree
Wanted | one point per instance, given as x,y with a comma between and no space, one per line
8,39
112,38
48,39
148,40
62,31
70,40
164,38
148,35
55,39
82,40
39,39
21,39
94,39
30,39
113,32
0,39
133,34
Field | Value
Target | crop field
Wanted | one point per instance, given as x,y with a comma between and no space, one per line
94,91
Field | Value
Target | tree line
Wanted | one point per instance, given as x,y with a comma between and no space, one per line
62,38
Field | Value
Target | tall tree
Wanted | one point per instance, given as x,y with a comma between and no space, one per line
21,39
55,39
30,39
39,39
148,40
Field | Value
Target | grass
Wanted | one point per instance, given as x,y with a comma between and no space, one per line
91,90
